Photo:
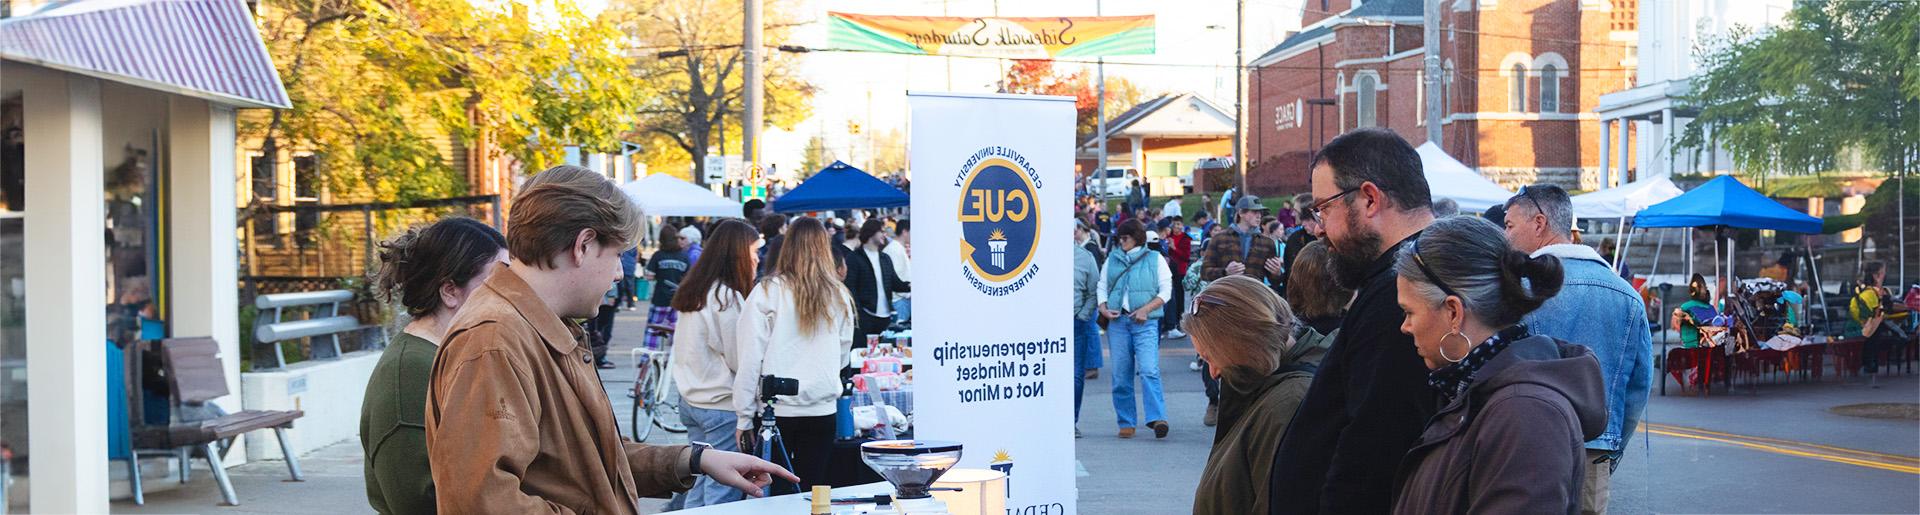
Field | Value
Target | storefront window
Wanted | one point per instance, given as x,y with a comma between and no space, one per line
13,321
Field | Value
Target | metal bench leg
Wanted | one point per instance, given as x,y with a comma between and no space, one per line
286,450
220,477
133,480
186,464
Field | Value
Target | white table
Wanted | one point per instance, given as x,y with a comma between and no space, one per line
795,503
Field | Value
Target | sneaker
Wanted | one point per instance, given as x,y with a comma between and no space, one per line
1159,428
1093,373
1176,334
1126,432
1213,415
1193,365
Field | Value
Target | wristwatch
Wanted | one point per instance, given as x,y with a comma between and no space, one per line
694,462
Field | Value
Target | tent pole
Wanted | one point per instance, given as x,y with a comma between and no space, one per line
1660,243
1620,254
1819,292
1619,235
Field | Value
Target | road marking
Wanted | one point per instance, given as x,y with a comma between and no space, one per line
1892,457
1882,461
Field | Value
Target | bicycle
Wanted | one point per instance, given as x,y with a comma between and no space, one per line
654,394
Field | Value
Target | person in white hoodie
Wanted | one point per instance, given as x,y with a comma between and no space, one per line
798,324
706,349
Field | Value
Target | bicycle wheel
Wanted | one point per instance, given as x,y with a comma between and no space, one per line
643,406
667,411
662,410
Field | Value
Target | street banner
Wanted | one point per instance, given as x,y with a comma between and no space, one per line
992,287
1020,38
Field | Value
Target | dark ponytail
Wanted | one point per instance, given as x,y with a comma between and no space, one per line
1526,282
416,263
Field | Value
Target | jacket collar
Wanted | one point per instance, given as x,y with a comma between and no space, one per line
1569,251
1384,263
559,335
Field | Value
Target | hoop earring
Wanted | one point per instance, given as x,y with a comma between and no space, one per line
1443,346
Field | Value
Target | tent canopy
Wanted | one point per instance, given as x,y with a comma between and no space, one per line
1625,200
1447,178
665,195
840,186
1725,201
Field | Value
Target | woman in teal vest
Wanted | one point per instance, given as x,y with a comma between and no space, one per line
1133,285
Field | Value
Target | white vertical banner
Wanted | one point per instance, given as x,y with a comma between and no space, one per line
992,287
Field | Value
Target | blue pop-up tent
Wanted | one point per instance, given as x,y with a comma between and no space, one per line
1725,201
840,186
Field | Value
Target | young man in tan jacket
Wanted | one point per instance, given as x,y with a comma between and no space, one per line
517,419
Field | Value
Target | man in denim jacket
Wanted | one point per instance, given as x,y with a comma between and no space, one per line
1595,308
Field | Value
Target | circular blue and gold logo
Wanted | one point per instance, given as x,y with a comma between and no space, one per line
999,220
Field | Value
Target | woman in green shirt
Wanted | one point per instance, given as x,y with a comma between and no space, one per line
1695,312
430,271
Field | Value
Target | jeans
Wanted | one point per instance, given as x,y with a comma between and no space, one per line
1086,355
1091,358
1136,350
713,427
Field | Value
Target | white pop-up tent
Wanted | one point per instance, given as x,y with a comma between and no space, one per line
1625,200
1447,178
665,195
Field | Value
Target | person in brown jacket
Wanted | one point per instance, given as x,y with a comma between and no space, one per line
1516,409
517,420
1244,249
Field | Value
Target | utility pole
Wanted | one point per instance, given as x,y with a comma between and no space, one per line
1239,93
756,86
1100,118
1435,109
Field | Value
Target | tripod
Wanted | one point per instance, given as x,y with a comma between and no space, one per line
766,429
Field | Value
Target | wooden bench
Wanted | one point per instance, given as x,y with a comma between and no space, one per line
195,375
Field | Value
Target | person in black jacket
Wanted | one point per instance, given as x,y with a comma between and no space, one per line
871,279
1370,398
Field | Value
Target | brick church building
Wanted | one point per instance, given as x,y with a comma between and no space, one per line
1522,79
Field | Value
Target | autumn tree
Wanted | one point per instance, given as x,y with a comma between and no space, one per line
374,83
687,55
1038,77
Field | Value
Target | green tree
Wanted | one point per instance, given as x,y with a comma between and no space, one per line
1838,78
687,55
375,82
814,156
1836,75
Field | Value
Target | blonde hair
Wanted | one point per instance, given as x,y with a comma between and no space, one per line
806,266
1242,324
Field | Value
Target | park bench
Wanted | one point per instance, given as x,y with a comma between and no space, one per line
194,375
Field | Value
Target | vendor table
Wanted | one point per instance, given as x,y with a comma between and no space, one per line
901,398
795,503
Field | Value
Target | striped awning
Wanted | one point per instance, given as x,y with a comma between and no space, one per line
201,48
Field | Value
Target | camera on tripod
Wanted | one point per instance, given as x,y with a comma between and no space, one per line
773,386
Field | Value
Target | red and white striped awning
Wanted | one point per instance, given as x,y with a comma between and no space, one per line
201,48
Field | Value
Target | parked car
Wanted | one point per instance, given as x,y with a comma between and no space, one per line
1118,182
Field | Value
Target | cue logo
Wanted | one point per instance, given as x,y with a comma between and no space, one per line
999,220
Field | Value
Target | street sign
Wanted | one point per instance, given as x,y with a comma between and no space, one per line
716,169
736,169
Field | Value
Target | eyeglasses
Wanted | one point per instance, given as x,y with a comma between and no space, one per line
1318,206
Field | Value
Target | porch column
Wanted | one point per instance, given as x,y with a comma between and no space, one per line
1668,126
1625,137
1139,156
1606,144
205,284
66,291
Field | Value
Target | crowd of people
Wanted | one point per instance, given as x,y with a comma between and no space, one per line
1362,352
1369,349
489,399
